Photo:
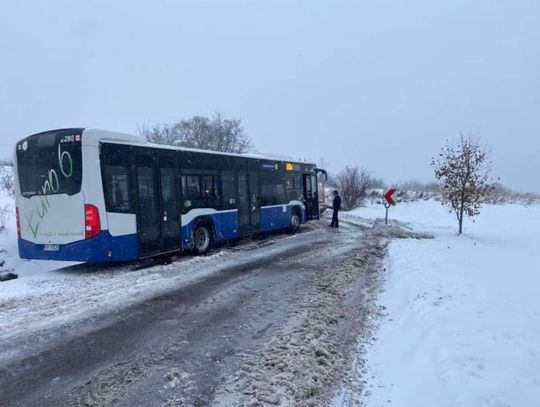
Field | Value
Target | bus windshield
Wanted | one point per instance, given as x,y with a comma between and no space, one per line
50,163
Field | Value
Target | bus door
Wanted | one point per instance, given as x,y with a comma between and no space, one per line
311,196
170,210
249,209
254,202
158,221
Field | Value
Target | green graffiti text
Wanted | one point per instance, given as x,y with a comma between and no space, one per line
50,185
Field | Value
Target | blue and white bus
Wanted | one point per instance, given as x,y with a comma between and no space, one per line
97,196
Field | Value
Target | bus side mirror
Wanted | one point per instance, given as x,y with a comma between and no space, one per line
323,172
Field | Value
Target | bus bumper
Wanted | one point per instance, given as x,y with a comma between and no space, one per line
99,249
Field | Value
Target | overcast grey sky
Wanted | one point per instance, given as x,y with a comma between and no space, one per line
380,83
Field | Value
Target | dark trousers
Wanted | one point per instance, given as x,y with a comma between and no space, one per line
335,220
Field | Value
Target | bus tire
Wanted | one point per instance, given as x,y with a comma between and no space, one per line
295,221
202,237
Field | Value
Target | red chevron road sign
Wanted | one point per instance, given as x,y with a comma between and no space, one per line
388,196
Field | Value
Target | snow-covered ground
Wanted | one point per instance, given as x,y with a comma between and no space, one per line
462,320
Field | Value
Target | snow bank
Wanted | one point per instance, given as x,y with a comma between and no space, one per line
463,312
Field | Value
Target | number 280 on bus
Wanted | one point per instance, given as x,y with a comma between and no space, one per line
97,196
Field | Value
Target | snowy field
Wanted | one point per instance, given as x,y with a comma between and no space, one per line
462,320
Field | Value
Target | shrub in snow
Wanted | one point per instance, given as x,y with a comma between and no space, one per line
5,213
7,276
353,184
6,180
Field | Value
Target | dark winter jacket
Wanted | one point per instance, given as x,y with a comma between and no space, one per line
337,203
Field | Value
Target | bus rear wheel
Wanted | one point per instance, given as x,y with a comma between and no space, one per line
202,238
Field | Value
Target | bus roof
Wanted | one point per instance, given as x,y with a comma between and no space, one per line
95,136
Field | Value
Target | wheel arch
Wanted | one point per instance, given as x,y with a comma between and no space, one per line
297,208
204,220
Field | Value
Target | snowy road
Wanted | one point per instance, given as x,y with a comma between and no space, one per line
262,323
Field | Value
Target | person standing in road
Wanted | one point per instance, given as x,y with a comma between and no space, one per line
336,205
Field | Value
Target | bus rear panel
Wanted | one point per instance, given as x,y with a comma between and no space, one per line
54,217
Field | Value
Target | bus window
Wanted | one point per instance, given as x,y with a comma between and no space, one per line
272,189
146,186
116,186
168,198
308,188
272,194
167,184
228,189
209,186
289,183
200,191
293,188
148,203
50,163
191,186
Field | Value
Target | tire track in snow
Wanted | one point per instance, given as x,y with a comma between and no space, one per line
302,362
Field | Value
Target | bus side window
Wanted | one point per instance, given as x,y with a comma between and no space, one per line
191,186
200,191
272,189
209,186
298,187
117,188
293,186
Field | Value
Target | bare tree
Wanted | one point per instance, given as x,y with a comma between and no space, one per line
215,133
157,133
353,183
463,172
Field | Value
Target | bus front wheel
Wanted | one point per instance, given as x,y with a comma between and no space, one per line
295,222
202,238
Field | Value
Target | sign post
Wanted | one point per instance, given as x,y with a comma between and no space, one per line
389,201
